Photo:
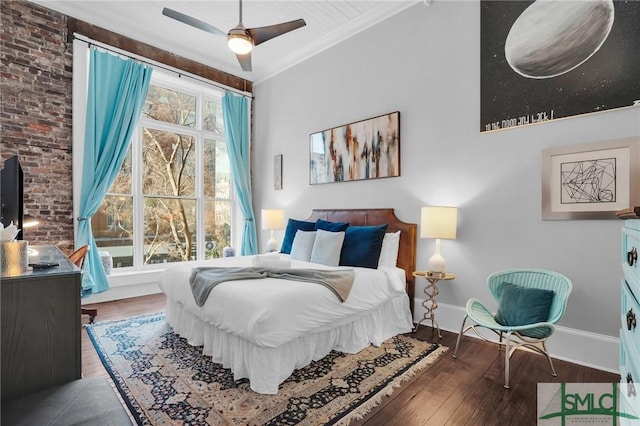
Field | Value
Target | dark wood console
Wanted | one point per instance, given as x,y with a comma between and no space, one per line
40,325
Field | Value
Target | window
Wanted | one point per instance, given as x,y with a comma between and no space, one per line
172,199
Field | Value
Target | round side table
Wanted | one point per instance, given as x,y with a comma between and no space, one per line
430,304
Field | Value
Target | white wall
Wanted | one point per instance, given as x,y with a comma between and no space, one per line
425,63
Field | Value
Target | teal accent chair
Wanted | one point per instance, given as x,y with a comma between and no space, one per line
533,336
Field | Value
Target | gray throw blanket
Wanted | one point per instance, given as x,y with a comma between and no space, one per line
204,279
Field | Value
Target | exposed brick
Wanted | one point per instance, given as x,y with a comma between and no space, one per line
36,115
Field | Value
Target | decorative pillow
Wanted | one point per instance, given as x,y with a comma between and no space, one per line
362,245
331,226
389,250
520,305
327,247
290,233
303,245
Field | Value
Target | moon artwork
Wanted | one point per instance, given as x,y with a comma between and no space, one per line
548,59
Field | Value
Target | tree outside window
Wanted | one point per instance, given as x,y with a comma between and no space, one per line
174,185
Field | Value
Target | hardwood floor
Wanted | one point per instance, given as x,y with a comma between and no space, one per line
467,390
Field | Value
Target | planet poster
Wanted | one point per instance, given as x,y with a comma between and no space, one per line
544,60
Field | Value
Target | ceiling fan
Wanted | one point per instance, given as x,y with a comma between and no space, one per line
240,39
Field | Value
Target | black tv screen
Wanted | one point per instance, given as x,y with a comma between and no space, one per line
12,193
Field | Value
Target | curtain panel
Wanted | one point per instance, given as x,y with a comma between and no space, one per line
116,94
236,125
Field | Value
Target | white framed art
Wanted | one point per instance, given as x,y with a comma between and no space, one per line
590,181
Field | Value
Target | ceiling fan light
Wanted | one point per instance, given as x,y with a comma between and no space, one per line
239,43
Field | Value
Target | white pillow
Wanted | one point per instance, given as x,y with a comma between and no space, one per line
302,245
327,247
389,250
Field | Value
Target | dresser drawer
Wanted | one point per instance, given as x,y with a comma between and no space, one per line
629,375
630,313
630,258
632,224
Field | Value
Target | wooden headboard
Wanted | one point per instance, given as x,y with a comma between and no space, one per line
367,217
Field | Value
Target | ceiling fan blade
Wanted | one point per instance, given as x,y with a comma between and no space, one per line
245,61
186,19
262,34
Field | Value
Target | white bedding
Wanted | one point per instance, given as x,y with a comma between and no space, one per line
264,328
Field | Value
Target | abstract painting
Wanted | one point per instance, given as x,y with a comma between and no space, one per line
545,60
590,181
277,172
367,149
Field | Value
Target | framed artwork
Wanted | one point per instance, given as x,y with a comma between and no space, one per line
591,181
277,172
545,60
367,149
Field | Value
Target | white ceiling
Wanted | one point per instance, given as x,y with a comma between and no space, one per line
328,23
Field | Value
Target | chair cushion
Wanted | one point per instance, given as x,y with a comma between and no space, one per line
520,305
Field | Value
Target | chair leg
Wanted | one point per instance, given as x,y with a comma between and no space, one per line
546,353
93,313
507,356
455,352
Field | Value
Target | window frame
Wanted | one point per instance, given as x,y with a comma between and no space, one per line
170,80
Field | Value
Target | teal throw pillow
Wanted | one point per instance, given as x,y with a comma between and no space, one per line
331,226
362,245
520,305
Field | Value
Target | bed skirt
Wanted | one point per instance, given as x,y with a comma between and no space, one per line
267,367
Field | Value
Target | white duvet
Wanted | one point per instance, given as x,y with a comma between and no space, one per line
270,312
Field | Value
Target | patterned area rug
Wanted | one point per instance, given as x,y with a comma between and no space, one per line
165,381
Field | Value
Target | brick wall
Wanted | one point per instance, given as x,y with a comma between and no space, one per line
35,115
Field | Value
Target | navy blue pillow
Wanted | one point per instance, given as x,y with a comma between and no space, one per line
290,233
362,245
520,305
331,226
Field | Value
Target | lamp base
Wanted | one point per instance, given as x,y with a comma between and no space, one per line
437,264
272,245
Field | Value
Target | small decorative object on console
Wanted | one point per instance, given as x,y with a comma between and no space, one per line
228,251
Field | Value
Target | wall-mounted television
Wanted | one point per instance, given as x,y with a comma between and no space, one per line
12,194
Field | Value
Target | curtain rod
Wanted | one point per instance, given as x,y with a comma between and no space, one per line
160,65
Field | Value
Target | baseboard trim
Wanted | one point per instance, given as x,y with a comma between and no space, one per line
125,286
580,347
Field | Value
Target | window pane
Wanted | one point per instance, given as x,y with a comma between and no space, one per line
217,216
169,163
169,230
216,169
122,184
213,117
170,106
112,227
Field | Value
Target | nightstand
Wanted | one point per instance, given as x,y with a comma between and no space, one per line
431,291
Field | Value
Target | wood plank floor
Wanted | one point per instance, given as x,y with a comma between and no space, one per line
463,391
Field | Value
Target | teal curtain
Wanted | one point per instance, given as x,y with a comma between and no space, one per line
236,125
116,93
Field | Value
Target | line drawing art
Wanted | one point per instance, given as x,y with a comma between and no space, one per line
591,181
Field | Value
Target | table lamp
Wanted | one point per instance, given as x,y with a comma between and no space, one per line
439,223
272,220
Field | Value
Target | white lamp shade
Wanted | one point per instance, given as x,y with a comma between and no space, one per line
272,219
439,222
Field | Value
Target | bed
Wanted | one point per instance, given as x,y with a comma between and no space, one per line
265,329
